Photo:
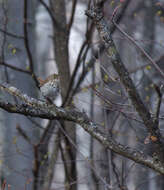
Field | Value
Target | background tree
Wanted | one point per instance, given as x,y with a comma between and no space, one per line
111,101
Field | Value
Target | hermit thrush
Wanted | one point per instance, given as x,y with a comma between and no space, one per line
50,87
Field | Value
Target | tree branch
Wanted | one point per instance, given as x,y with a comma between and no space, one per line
37,108
27,45
96,14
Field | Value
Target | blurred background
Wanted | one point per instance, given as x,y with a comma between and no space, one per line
42,37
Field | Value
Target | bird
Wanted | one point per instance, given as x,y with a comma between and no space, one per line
50,87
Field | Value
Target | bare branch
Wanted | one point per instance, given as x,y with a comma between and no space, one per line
27,46
38,108
72,15
50,13
11,34
141,49
23,134
118,18
159,102
96,14
14,68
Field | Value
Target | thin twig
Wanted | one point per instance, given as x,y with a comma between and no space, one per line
27,46
74,73
72,15
140,48
4,39
87,162
78,63
14,68
96,14
23,134
11,34
159,101
49,12
102,48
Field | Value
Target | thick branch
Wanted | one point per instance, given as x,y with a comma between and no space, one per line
36,108
96,14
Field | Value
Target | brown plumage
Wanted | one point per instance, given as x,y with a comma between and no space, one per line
50,86
51,77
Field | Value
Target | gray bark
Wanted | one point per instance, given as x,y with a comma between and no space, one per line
18,154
